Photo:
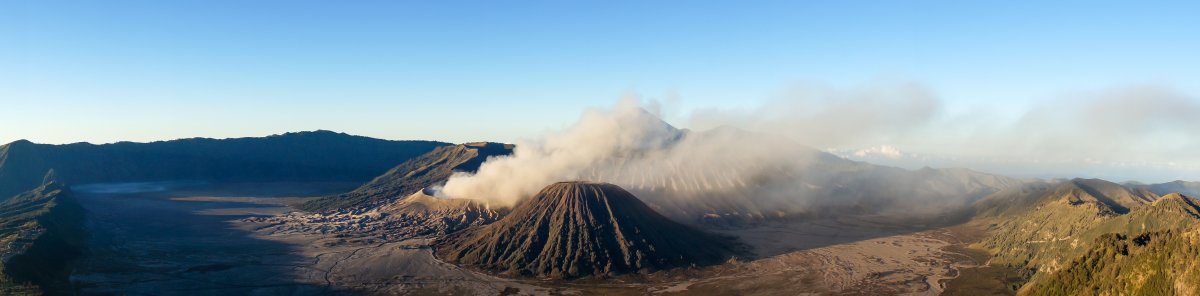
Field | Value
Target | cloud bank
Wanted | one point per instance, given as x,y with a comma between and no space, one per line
1145,133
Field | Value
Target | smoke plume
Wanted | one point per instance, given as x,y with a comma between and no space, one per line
762,153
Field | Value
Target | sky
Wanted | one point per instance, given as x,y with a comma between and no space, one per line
459,71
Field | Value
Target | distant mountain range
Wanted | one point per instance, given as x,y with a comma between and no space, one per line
301,156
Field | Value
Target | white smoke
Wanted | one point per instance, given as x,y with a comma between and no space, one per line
598,137
632,147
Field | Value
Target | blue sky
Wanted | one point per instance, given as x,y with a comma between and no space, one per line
103,71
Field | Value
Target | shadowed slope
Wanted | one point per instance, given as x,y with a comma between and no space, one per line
304,156
578,229
41,235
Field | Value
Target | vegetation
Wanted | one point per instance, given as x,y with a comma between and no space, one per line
1152,263
304,156
41,235
1040,230
414,175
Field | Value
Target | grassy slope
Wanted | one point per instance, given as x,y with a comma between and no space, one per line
1046,230
1152,263
1043,228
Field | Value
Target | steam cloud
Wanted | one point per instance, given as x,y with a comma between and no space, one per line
631,146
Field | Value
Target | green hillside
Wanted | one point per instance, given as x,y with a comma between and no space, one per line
1043,228
1042,225
1152,263
1172,211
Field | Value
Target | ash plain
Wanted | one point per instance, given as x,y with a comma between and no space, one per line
191,238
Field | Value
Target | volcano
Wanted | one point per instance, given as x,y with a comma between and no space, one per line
580,229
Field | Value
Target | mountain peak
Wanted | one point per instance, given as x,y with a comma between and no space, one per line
487,145
1173,195
319,132
1176,199
18,143
1177,203
580,229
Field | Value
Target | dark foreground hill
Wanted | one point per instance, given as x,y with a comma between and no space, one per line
41,234
414,175
580,229
303,156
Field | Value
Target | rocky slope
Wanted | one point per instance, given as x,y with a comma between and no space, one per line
414,175
414,216
580,229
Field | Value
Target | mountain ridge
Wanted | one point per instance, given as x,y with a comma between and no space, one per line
299,156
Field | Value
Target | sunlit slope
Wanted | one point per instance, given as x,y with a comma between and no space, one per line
1042,225
1152,263
1046,227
